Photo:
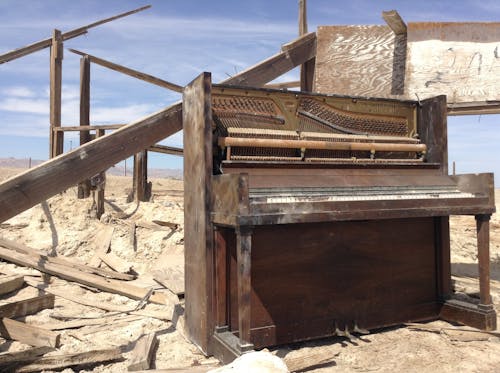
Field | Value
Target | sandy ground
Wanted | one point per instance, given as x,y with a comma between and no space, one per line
66,225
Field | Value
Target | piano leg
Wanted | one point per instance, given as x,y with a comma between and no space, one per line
482,315
483,255
244,251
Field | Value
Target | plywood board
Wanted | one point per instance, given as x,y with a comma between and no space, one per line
359,60
460,60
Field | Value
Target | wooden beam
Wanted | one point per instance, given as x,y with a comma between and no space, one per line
23,249
166,150
142,354
286,85
131,72
17,53
28,334
101,187
56,57
70,274
140,179
474,108
292,55
58,362
84,186
307,68
395,22
27,306
39,183
90,127
10,358
102,242
11,283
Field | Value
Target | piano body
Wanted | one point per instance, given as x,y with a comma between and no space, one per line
309,216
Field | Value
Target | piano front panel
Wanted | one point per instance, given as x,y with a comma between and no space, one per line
307,278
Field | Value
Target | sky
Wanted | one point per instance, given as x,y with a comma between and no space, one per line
176,40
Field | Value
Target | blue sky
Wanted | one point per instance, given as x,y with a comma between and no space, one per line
176,40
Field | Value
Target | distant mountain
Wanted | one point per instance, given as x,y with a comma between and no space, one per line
115,170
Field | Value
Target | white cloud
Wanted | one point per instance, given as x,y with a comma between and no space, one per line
124,114
18,91
25,105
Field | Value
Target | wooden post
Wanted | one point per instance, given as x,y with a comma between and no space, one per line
307,69
243,253
56,57
101,186
483,255
220,251
84,186
141,189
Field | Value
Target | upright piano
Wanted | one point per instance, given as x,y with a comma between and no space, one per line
310,215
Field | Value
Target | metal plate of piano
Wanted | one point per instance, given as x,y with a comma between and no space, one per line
310,216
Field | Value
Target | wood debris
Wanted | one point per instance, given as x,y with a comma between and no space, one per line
28,334
10,283
142,354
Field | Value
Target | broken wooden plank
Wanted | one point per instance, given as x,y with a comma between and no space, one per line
395,22
11,358
69,262
115,262
171,276
28,334
109,285
102,241
11,283
130,72
292,55
99,321
27,306
154,227
37,184
169,224
309,361
71,360
142,354
20,52
161,315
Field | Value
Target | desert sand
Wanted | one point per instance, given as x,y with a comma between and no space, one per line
65,226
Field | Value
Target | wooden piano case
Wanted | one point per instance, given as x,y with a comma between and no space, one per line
262,271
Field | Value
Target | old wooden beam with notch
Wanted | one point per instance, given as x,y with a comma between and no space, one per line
29,334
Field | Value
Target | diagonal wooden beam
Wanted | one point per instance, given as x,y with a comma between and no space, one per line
39,45
158,148
292,55
131,72
23,191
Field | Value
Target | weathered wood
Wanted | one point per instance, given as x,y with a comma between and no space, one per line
364,52
142,354
474,108
166,149
307,68
69,262
160,315
286,85
10,358
39,183
20,52
244,255
109,285
101,187
394,21
56,57
11,283
483,257
115,262
27,306
84,186
102,241
292,55
131,72
90,128
198,234
306,362
140,178
459,60
29,334
70,360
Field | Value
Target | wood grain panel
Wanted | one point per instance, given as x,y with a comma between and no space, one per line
357,60
460,60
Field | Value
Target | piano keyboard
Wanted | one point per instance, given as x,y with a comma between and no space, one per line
354,194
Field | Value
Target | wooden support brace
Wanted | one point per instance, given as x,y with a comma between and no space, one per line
84,186
101,186
307,68
141,187
56,57
395,22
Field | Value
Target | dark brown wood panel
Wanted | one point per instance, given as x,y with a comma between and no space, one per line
315,275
